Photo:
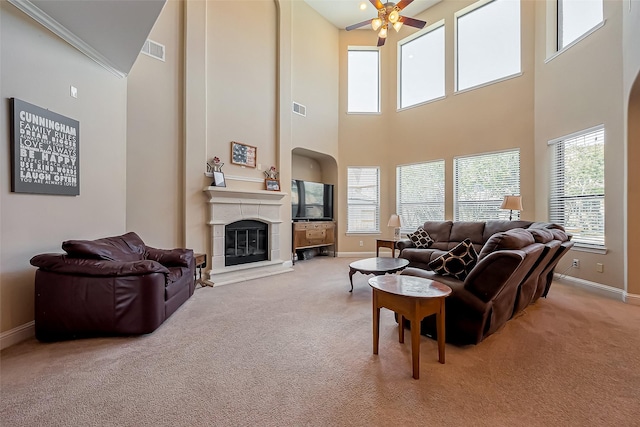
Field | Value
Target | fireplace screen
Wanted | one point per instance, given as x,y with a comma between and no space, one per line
246,241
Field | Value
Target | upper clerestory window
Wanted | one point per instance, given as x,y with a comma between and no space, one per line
576,18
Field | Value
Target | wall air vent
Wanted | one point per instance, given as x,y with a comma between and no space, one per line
153,49
300,109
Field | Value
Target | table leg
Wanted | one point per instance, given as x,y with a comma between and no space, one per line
401,328
376,321
440,328
351,273
415,347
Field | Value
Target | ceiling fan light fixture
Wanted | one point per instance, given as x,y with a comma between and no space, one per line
397,26
376,23
383,32
394,16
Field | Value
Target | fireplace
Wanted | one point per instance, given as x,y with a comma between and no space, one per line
245,234
246,241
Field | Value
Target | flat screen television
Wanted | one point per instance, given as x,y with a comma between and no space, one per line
311,201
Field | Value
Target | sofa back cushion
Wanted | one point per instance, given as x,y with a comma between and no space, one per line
462,230
541,235
128,247
439,231
516,238
493,227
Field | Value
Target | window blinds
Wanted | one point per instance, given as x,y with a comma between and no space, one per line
420,193
481,182
363,200
576,196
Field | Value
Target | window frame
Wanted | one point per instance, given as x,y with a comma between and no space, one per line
490,203
410,226
407,40
379,71
556,145
461,13
376,204
559,11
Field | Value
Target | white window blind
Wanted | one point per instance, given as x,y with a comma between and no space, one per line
577,17
576,196
363,200
420,193
363,80
480,183
487,42
421,62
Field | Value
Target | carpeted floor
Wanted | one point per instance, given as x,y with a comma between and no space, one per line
295,350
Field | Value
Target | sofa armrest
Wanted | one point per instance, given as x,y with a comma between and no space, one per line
172,257
64,264
404,243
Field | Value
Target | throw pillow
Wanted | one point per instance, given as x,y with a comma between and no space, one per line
420,238
458,262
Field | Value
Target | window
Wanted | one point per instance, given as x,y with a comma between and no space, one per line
420,193
421,62
576,196
363,200
576,18
363,85
481,182
488,42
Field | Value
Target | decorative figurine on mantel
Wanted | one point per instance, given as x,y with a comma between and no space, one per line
214,165
271,173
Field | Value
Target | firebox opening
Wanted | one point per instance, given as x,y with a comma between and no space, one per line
246,241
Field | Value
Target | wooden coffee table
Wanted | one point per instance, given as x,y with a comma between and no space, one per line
412,298
377,266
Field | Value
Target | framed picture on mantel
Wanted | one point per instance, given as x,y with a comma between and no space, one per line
243,154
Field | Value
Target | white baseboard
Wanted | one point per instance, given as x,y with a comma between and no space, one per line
596,288
18,334
356,254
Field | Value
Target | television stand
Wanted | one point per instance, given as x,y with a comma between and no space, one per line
313,234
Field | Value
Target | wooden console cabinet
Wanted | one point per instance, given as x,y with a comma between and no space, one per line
313,234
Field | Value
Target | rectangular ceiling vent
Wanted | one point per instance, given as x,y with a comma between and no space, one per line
153,49
300,109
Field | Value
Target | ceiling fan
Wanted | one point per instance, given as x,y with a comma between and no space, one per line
388,14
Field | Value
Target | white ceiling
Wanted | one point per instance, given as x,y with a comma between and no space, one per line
343,13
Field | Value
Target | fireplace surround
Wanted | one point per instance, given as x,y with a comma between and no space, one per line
226,207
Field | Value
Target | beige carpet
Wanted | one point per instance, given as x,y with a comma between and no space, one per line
295,350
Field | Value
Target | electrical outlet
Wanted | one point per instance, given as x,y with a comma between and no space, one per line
600,267
575,263
361,243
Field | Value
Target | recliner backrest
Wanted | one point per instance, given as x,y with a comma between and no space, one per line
127,247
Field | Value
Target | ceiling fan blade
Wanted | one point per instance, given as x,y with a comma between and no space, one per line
412,22
381,41
378,4
358,25
403,4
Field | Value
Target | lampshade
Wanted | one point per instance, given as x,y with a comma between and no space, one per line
513,203
394,221
383,32
376,23
394,16
397,26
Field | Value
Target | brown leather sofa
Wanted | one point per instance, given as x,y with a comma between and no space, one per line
111,286
514,268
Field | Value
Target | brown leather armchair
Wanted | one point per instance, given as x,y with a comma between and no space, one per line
116,285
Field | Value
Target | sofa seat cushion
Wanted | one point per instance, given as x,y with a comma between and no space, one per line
458,262
421,257
128,247
420,238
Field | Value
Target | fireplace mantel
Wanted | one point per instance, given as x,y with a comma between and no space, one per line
230,205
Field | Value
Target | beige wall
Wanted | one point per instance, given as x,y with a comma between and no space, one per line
576,90
155,142
39,68
491,118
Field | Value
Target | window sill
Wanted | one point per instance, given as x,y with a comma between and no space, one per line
575,42
360,233
584,247
492,82
420,104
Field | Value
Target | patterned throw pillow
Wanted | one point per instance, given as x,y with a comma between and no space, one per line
421,238
458,262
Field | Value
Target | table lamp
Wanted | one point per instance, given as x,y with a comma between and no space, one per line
396,223
513,203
